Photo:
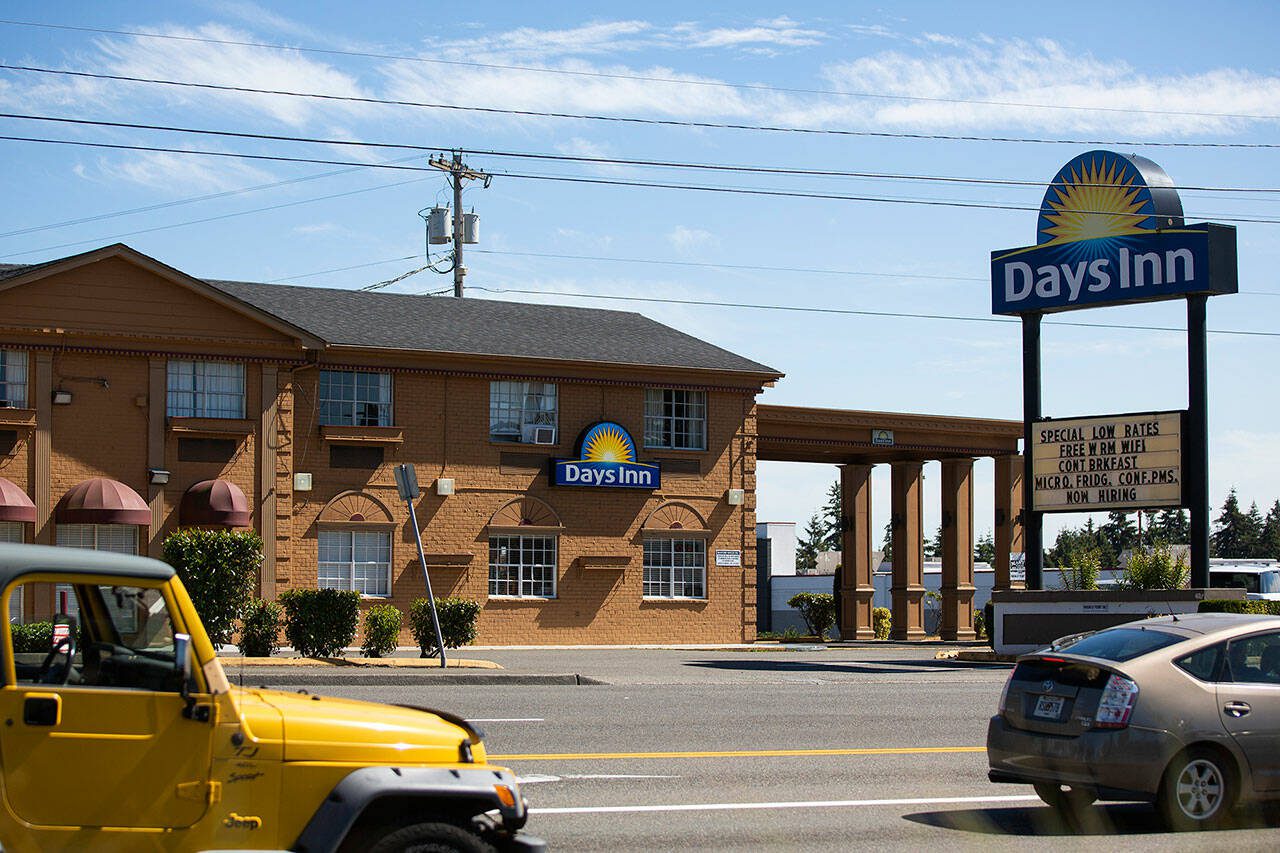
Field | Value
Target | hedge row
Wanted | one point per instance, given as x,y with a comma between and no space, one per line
1220,605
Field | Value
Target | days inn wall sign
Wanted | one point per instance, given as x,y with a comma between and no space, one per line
606,459
1111,232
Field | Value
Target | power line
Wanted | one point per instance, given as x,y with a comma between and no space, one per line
908,315
613,182
343,269
634,120
643,77
612,161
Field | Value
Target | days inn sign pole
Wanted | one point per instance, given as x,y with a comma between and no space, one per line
1111,232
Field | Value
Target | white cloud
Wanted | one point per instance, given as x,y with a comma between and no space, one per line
177,173
779,32
685,239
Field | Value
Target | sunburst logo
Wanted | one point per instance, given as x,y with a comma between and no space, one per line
608,442
1096,196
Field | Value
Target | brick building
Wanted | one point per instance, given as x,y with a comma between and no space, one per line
135,399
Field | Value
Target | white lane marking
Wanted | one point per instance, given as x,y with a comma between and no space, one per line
505,720
535,778
805,804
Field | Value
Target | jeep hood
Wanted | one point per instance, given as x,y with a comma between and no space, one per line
321,728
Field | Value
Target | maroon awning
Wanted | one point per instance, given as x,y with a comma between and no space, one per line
214,502
14,503
102,501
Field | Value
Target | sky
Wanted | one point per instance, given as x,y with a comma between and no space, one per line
891,97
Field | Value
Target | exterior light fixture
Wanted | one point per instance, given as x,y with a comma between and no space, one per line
61,397
302,482
736,497
159,476
444,485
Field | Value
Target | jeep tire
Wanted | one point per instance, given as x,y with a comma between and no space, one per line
431,838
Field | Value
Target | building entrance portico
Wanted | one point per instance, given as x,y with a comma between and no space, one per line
859,440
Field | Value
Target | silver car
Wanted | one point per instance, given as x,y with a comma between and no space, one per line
1182,711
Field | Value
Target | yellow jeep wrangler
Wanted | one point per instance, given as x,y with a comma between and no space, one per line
122,733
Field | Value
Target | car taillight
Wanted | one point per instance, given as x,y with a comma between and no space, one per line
1004,694
1116,705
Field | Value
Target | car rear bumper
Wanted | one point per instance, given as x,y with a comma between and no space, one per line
1117,763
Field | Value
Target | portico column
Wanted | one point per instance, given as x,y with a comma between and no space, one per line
908,551
856,589
957,549
1008,534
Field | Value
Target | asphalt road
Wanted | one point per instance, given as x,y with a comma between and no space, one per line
832,749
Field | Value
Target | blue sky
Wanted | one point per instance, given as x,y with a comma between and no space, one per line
1080,72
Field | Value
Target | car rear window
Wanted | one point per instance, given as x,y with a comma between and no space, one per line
1121,644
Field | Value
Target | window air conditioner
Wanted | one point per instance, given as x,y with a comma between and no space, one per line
544,435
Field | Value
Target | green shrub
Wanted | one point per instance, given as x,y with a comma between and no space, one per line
980,624
381,630
817,609
790,634
260,626
1220,605
1155,568
881,622
32,637
320,623
219,568
457,623
1083,563
989,622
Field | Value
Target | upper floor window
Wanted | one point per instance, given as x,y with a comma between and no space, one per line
675,419
355,398
13,379
206,389
523,412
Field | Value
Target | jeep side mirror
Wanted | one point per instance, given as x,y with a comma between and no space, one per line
182,658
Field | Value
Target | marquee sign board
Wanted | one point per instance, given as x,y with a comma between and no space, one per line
1124,462
606,459
1111,232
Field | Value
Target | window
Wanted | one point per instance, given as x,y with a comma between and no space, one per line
1254,660
1202,664
522,566
353,398
675,419
522,412
356,559
13,379
11,531
206,389
675,568
116,538
1121,644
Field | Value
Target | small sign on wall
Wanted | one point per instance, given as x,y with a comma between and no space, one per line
882,437
1018,566
729,558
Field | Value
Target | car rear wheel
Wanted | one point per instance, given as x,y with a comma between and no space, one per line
431,838
1069,802
1198,791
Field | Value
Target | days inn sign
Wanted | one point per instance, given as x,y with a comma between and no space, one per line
606,459
1111,232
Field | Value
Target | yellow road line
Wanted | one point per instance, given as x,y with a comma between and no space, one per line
742,753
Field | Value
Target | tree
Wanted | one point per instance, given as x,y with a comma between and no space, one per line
833,518
1253,531
1269,541
984,550
1147,524
219,568
1172,527
809,545
1088,537
1230,530
1118,533
933,547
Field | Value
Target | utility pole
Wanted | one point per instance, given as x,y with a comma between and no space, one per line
458,172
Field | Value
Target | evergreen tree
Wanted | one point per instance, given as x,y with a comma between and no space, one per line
1172,527
1148,521
1229,535
1269,541
1073,540
933,547
1117,534
984,550
809,545
832,515
1253,531
886,547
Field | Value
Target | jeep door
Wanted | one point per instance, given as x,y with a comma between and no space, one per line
103,741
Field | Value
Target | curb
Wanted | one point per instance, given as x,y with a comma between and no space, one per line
230,661
274,677
976,656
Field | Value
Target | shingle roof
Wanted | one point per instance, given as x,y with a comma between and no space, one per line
486,327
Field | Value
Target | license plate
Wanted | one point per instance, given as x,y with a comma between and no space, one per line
1049,707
